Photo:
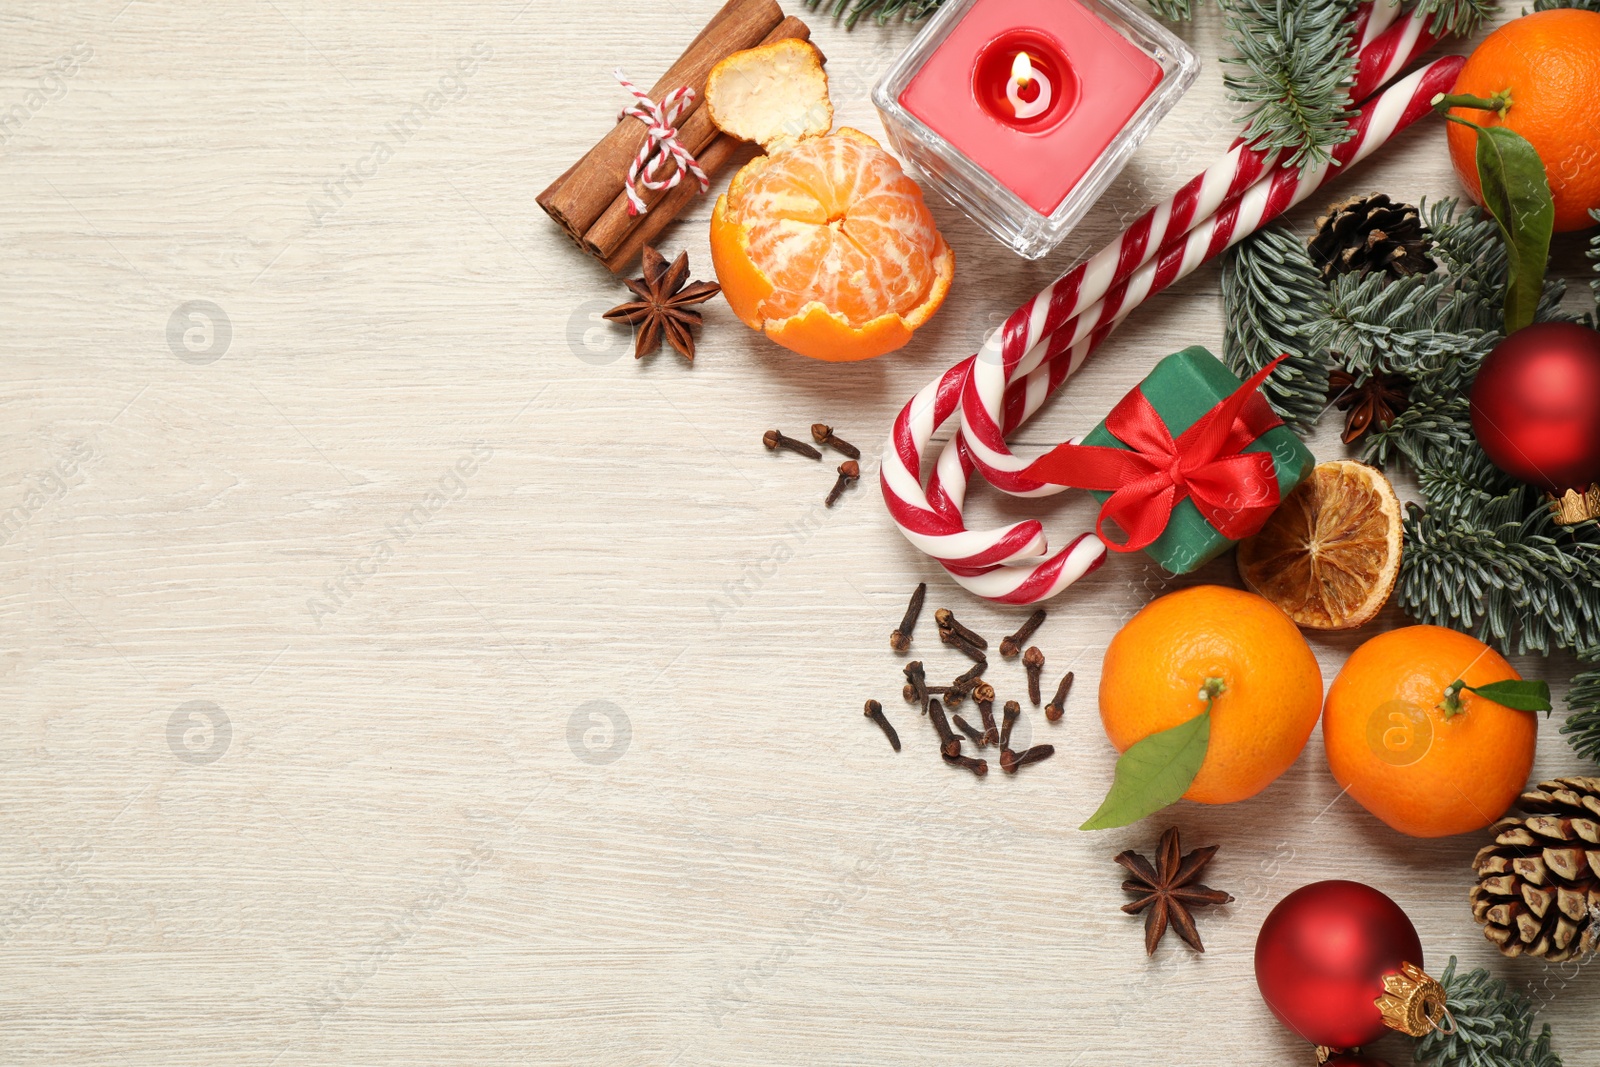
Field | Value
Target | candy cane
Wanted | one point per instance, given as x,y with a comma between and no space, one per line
931,519
1098,278
1387,53
1372,18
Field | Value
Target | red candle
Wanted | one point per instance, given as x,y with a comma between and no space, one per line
1033,92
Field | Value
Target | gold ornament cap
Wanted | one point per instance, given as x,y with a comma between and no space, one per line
1412,1002
1573,507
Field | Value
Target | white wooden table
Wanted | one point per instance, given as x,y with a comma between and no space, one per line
397,672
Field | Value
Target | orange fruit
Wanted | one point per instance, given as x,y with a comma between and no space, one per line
1157,663
1392,747
1329,556
1550,61
828,247
824,243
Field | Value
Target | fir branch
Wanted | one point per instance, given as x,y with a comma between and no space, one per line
1594,254
1493,1026
1436,424
1582,727
1445,570
1581,5
1381,326
1469,249
1173,10
1298,68
1270,290
1460,18
882,10
1487,557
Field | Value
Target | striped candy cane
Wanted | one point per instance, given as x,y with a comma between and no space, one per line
931,519
660,143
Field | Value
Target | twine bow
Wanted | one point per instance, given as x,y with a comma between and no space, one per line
1234,490
660,144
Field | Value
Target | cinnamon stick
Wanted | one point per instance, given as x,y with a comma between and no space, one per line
583,197
726,10
607,235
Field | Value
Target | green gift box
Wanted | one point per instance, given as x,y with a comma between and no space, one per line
1181,389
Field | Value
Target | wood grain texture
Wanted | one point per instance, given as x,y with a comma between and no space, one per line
541,678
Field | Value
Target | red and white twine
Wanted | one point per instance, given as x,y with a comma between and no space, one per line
661,143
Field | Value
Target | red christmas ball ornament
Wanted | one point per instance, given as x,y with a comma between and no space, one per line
1339,964
1536,412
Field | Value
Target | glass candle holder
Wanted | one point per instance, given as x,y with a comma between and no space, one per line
1021,112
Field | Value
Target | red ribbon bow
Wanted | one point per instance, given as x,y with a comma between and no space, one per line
1235,490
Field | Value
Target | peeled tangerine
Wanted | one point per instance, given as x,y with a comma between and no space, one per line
823,243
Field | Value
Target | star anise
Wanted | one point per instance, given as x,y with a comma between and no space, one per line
1168,890
663,308
1374,402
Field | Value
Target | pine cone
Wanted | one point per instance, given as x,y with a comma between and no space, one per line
1367,233
1538,890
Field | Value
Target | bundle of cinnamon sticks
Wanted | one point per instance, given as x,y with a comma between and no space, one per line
590,200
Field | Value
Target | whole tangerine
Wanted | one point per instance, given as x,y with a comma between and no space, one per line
1157,664
1549,61
1395,746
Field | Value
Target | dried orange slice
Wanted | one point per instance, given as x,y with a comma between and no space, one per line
1329,556
824,243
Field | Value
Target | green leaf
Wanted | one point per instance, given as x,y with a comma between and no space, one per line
1154,773
1517,193
1530,695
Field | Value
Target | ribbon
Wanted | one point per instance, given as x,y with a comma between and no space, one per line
1234,490
660,144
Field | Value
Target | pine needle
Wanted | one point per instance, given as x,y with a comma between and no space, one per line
1581,5
1173,10
1459,18
1270,290
1297,70
882,10
1493,1026
1594,254
1582,727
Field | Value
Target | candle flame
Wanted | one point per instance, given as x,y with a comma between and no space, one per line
1022,69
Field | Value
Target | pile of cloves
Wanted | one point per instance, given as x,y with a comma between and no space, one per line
822,433
938,702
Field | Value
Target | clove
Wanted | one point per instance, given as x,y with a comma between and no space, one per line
900,637
961,644
775,440
973,735
849,471
1008,720
823,434
1010,646
977,766
984,695
874,711
948,621
1058,704
1011,762
1033,662
969,678
949,743
917,683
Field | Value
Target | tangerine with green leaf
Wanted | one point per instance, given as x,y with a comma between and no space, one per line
1212,639
1428,756
1547,67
